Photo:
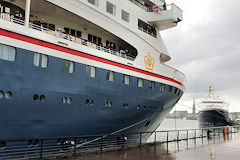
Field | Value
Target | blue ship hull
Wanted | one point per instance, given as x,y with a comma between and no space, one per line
214,117
24,117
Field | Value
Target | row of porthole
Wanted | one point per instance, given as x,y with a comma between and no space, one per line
145,107
37,97
68,100
7,95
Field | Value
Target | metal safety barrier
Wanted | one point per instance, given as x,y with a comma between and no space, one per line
60,147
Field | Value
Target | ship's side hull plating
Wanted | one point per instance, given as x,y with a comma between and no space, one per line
213,117
37,106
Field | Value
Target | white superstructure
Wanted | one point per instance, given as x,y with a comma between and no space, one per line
92,17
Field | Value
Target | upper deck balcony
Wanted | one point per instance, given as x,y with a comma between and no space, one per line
160,16
164,17
82,34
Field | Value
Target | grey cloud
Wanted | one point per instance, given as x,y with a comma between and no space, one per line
205,46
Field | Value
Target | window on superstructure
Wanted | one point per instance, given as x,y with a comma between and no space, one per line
94,2
170,89
125,16
91,71
79,34
110,76
126,79
94,39
68,66
176,90
73,32
40,60
162,86
152,85
147,28
111,8
140,82
7,53
111,45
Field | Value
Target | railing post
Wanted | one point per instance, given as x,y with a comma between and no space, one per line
187,139
123,140
202,137
195,138
155,137
140,143
167,141
214,135
75,147
178,135
178,140
101,145
41,149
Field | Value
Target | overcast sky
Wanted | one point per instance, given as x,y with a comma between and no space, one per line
205,47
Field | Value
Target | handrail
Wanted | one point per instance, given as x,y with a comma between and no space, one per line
147,31
151,9
64,35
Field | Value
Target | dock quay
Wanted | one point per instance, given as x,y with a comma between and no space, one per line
160,143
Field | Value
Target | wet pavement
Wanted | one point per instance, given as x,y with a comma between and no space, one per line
228,150
216,148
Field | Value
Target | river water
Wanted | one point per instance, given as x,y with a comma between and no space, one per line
172,124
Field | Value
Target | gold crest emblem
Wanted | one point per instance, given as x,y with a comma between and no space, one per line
149,62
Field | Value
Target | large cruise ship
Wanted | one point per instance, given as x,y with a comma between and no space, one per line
80,67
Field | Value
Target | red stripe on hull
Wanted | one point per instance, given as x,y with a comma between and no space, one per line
80,54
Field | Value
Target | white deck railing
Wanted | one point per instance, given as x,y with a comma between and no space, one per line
62,34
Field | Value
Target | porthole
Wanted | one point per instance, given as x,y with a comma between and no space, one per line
145,107
109,104
42,98
106,104
1,94
91,102
138,107
125,105
87,101
64,100
69,100
8,95
35,97
2,144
